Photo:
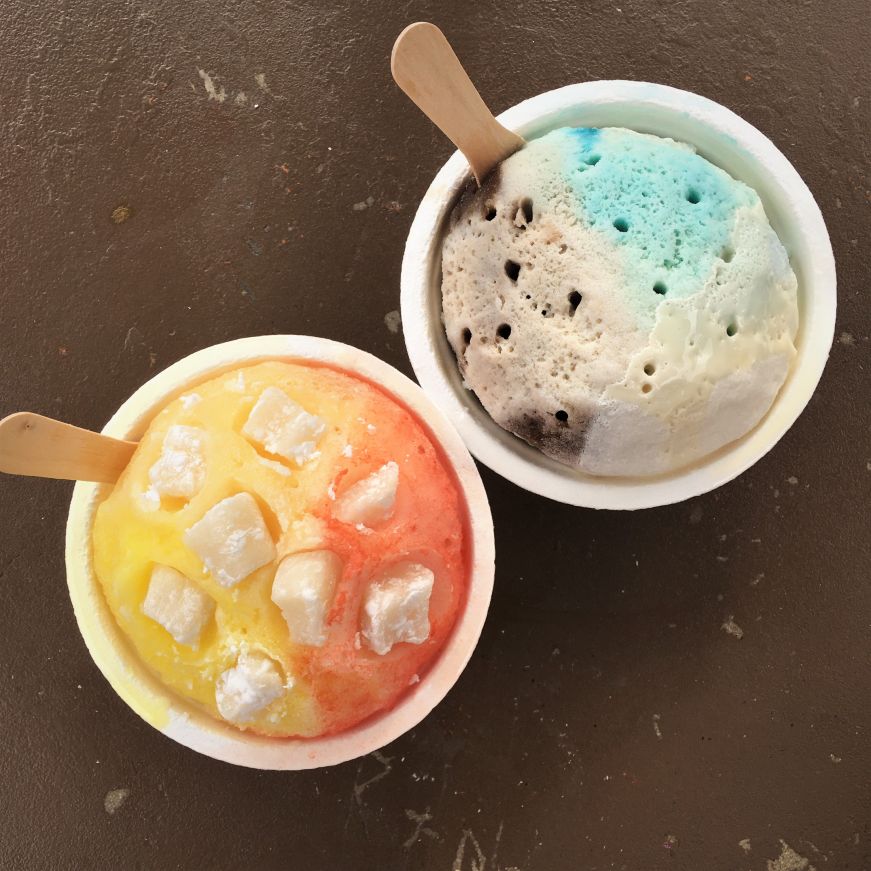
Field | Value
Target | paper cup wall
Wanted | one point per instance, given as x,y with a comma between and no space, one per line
727,141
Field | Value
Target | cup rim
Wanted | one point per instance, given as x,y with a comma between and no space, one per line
659,108
171,714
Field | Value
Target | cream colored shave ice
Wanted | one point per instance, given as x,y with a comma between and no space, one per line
618,301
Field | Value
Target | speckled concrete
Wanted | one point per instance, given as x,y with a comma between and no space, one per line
686,688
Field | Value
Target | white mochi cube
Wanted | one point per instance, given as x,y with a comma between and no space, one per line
177,604
181,468
282,427
396,607
303,588
247,688
232,539
369,501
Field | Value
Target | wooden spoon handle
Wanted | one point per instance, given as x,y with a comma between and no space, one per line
425,67
31,444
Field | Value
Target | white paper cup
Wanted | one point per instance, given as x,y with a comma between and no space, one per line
727,141
182,721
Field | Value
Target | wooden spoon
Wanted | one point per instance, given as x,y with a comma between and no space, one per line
425,67
31,444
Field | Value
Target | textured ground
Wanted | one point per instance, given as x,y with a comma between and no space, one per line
686,688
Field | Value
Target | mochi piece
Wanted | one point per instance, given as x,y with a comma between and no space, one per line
371,500
283,428
177,604
396,607
181,468
303,588
231,539
243,691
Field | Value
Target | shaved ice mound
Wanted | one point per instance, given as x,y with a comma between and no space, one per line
289,553
618,302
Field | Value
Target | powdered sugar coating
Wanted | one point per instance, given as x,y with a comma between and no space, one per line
181,468
369,501
177,604
252,684
282,427
396,607
232,539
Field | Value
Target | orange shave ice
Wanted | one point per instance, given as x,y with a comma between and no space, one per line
286,550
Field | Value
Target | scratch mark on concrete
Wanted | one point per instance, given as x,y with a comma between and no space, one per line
656,729
836,759
260,78
216,94
133,339
478,861
393,320
357,256
121,213
744,844
114,799
732,628
495,855
360,788
420,827
788,860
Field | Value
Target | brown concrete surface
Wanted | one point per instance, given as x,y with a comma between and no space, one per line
608,719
